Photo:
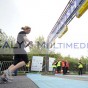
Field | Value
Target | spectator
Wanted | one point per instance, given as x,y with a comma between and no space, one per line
54,66
28,65
67,66
64,67
80,68
59,66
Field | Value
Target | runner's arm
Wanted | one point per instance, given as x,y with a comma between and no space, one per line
27,40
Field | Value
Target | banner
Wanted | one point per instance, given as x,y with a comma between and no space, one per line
51,60
37,62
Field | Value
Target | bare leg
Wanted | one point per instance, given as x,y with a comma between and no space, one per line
12,68
20,64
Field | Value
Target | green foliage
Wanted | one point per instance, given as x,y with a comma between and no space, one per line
39,47
6,57
6,53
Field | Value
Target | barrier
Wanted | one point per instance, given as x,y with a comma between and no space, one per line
6,64
0,66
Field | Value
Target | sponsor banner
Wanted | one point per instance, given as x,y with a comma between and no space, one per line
37,62
51,60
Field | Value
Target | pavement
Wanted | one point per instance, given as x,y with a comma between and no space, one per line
48,81
20,82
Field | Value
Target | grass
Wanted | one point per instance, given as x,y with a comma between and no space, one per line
46,73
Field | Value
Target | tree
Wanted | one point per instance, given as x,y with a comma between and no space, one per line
6,53
39,47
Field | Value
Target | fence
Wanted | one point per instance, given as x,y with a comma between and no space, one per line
0,66
5,64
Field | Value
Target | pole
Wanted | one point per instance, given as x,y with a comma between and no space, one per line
47,59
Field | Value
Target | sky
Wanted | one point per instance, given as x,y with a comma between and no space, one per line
41,15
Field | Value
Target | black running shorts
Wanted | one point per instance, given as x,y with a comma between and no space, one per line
20,57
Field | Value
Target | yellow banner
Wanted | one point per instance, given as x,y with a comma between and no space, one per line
65,29
82,9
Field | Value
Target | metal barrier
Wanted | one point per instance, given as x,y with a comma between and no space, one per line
0,66
6,64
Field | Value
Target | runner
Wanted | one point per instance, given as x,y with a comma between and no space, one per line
20,55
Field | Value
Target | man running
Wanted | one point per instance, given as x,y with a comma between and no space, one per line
20,55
